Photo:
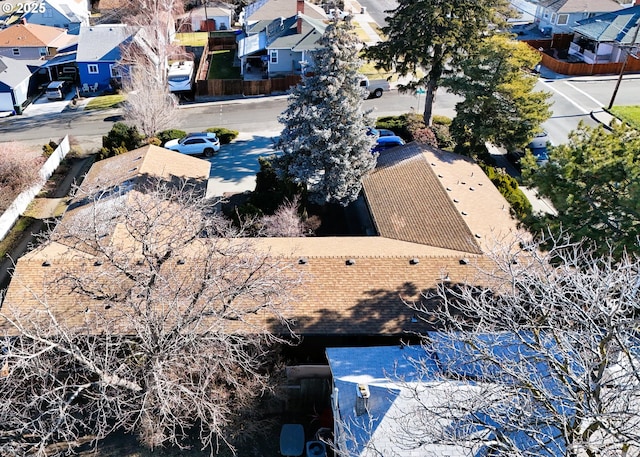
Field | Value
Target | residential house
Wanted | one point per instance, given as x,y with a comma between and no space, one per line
281,46
33,41
15,82
207,18
607,37
427,216
460,388
67,14
561,16
267,10
99,51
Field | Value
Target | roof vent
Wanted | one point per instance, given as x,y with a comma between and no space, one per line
414,261
46,263
180,262
464,213
472,188
350,262
302,261
363,391
97,263
448,189
477,235
455,200
464,261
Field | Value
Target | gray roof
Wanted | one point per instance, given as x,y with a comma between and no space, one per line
13,71
312,30
101,42
619,26
580,6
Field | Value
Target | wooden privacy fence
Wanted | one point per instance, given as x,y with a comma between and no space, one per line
582,69
218,87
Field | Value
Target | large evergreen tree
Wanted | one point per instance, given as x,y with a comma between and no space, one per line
594,184
324,142
427,38
499,104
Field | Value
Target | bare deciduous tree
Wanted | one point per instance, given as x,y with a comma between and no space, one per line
152,321
284,222
545,363
145,59
19,169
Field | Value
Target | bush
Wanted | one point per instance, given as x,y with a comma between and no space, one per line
48,148
443,136
154,141
508,187
170,134
225,135
121,138
441,120
396,123
425,135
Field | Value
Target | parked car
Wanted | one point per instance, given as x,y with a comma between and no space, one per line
58,90
204,143
374,88
540,153
387,142
380,132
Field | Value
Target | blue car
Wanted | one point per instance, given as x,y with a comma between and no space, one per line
387,142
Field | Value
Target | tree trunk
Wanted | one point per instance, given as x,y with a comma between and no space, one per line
430,98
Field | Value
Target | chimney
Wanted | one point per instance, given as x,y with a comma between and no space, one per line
23,20
299,11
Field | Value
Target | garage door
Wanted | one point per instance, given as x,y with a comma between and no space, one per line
6,101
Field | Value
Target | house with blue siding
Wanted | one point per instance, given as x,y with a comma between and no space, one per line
67,14
99,51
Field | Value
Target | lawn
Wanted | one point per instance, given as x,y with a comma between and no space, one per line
105,102
371,72
221,66
192,38
629,114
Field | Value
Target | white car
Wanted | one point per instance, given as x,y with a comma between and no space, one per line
205,143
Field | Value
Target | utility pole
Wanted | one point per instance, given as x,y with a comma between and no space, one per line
624,64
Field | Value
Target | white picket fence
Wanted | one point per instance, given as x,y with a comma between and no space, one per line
22,201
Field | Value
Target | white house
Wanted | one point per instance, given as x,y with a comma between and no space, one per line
561,16
67,14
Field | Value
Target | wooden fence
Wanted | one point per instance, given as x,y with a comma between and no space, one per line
584,69
218,87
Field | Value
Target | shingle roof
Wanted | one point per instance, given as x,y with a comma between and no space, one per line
619,26
289,38
101,42
353,285
580,6
272,9
13,71
30,35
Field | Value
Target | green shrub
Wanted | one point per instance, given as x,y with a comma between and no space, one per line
154,141
396,123
170,134
443,136
48,148
441,120
121,138
225,135
508,187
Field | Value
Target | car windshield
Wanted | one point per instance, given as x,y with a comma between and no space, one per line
540,153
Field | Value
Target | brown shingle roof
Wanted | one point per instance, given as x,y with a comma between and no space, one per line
354,285
30,35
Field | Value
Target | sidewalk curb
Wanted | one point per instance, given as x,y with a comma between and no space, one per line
602,117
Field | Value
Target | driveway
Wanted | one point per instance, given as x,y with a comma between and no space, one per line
42,105
234,167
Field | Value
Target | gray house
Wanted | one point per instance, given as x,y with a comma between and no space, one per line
67,14
281,46
608,37
561,16
15,76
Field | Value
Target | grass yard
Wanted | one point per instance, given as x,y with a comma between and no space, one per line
192,38
105,102
371,72
629,114
221,66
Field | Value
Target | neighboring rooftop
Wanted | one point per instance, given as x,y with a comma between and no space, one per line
273,9
34,35
619,26
580,6
101,42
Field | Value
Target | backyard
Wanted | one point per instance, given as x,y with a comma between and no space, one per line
221,66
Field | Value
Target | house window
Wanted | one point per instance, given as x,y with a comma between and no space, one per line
92,68
563,19
114,71
16,51
273,56
553,18
43,52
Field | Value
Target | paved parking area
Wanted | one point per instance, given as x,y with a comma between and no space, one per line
42,105
234,167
